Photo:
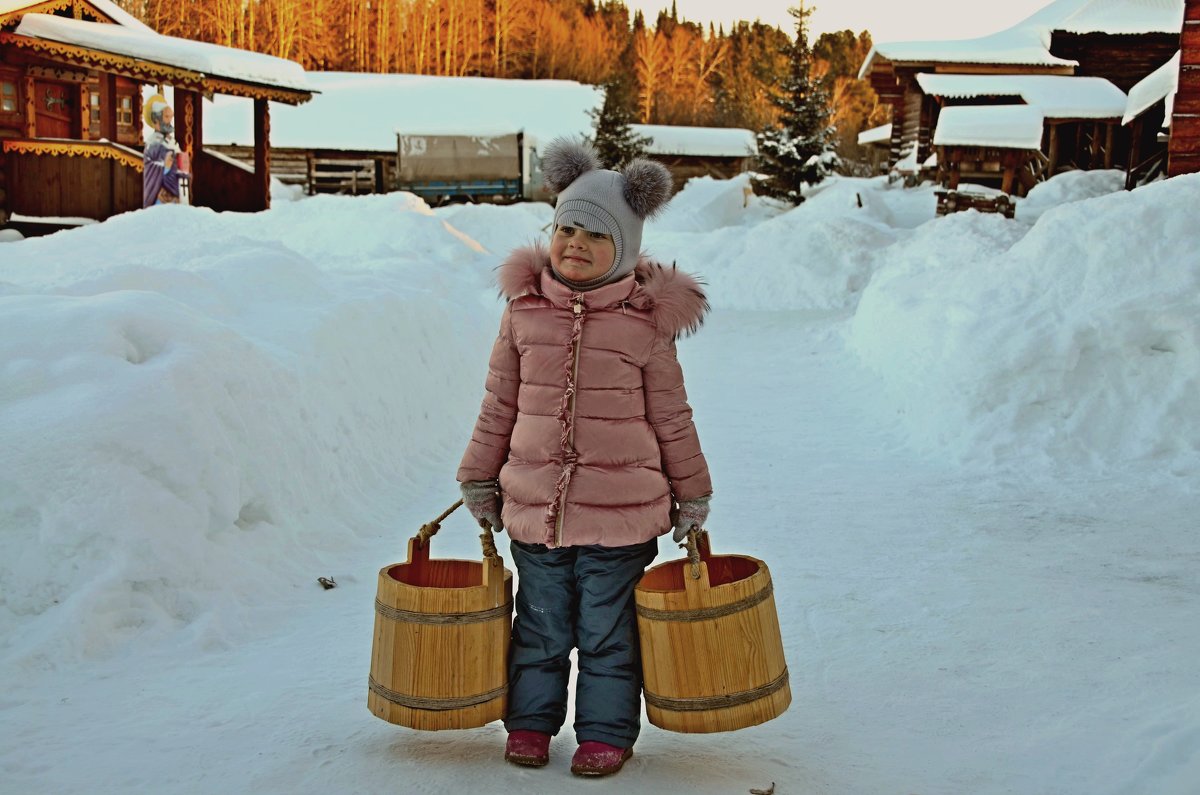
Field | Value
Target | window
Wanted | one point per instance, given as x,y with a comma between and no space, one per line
8,96
125,111
94,107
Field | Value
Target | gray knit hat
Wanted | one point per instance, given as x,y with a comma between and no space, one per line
599,200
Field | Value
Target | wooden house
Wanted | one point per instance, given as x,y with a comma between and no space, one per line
71,132
1114,44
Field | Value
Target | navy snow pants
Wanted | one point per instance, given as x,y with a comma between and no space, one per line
582,598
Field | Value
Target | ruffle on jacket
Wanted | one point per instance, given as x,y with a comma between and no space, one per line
675,298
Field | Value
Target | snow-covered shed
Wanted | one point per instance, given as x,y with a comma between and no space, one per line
71,79
347,138
1118,41
877,142
688,152
1070,112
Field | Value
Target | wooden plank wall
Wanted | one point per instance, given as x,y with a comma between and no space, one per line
1183,153
1123,60
79,187
224,186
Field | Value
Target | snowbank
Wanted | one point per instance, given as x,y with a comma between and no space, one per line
187,424
755,256
190,417
1070,186
1076,344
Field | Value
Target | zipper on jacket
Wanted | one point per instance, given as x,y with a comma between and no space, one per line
577,310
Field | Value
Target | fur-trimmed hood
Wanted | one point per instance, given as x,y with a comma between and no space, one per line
675,299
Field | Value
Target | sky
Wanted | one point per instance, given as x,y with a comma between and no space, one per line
886,20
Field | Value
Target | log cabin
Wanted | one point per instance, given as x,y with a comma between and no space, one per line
1110,46
1183,155
72,74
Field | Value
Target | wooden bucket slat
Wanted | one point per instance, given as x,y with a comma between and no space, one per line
717,673
428,664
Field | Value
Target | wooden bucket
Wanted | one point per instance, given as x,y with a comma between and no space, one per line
712,655
440,654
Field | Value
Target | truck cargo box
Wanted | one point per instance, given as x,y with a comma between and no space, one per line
458,158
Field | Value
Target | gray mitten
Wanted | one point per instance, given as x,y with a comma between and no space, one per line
482,498
691,513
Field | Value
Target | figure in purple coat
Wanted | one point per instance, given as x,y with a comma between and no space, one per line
160,172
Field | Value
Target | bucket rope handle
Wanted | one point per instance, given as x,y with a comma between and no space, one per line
692,545
486,538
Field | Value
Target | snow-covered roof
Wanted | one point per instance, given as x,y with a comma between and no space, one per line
1162,83
1125,16
366,111
211,60
1028,42
1013,48
875,135
1056,96
698,141
1004,126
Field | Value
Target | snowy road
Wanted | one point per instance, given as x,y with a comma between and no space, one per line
947,630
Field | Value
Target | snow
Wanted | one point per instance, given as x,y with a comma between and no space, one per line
1056,96
1007,126
875,135
211,60
1070,186
1160,84
365,112
53,219
698,141
967,448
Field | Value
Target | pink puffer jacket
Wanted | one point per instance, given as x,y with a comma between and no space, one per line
585,419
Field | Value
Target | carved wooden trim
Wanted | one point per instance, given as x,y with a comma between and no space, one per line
255,91
56,73
73,149
30,108
48,7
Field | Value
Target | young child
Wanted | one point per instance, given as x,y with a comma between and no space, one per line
586,452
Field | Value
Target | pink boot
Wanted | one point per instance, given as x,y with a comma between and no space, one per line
528,748
598,759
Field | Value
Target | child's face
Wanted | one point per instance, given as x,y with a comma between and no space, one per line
579,255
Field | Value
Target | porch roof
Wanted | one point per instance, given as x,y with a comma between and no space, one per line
875,135
216,68
1002,126
1056,96
1162,83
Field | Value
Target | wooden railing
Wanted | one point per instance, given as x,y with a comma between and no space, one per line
223,183
72,179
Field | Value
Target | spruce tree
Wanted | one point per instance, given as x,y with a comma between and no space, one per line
798,150
616,142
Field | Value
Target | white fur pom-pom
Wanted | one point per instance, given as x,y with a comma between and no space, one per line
647,187
564,161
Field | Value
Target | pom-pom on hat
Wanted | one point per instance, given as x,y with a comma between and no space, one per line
597,199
